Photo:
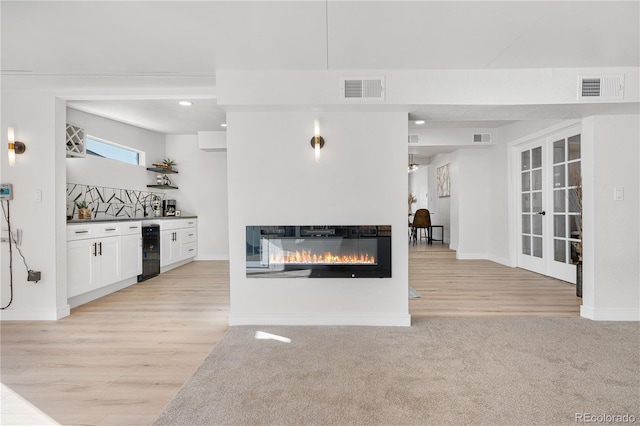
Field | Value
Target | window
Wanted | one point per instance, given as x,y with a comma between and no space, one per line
102,148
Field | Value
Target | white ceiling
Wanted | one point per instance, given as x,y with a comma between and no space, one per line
194,39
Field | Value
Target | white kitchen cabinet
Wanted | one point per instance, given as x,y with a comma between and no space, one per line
92,263
170,246
178,240
131,241
94,257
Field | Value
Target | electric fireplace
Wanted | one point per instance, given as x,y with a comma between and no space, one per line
361,251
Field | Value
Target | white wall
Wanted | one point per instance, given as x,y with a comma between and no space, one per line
419,187
40,168
611,287
357,181
440,207
202,180
93,170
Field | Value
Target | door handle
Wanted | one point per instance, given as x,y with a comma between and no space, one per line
100,244
542,213
95,249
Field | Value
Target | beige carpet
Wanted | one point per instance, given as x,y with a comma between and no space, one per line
448,371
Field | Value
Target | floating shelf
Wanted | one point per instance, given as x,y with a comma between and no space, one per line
162,186
161,170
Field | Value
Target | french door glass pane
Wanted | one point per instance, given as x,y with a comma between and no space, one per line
526,160
559,226
536,201
537,224
536,246
574,174
526,245
526,223
560,250
558,151
536,180
536,157
558,176
526,202
574,147
526,181
559,201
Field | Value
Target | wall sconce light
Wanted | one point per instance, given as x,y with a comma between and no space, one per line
317,141
15,147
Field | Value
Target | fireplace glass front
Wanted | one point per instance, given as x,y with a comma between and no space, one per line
362,251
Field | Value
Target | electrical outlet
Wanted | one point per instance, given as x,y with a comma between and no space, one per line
34,276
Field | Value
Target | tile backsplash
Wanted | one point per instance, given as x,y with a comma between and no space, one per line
106,203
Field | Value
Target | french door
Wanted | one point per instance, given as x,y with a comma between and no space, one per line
549,205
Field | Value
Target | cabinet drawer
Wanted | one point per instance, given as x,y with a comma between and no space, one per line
168,224
130,228
108,229
80,232
190,249
189,235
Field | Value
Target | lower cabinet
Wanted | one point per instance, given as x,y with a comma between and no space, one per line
178,241
101,254
92,263
131,255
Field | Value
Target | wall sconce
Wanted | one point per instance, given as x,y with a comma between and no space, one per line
15,147
317,141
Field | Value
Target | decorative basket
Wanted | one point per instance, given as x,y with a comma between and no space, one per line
84,214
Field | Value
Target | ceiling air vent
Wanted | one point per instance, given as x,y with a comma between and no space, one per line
359,89
601,87
482,137
414,138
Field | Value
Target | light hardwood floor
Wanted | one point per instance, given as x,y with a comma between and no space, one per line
120,359
455,288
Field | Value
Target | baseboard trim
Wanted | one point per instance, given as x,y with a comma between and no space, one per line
83,298
212,257
471,256
347,320
27,314
502,260
609,314
171,266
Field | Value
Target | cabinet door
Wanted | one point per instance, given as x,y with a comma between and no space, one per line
110,257
81,263
176,246
166,238
131,256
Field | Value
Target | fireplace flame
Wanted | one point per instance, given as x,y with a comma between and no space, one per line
328,258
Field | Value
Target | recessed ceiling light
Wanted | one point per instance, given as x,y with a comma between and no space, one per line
419,121
224,125
185,103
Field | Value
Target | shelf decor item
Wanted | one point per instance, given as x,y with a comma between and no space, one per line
167,163
83,210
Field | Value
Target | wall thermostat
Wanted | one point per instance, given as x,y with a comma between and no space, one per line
6,191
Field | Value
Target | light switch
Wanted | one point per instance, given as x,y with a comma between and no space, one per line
618,193
37,196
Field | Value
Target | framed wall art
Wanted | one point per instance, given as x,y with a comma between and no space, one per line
443,181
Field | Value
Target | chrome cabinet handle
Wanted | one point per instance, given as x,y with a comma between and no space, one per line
95,249
100,248
81,232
